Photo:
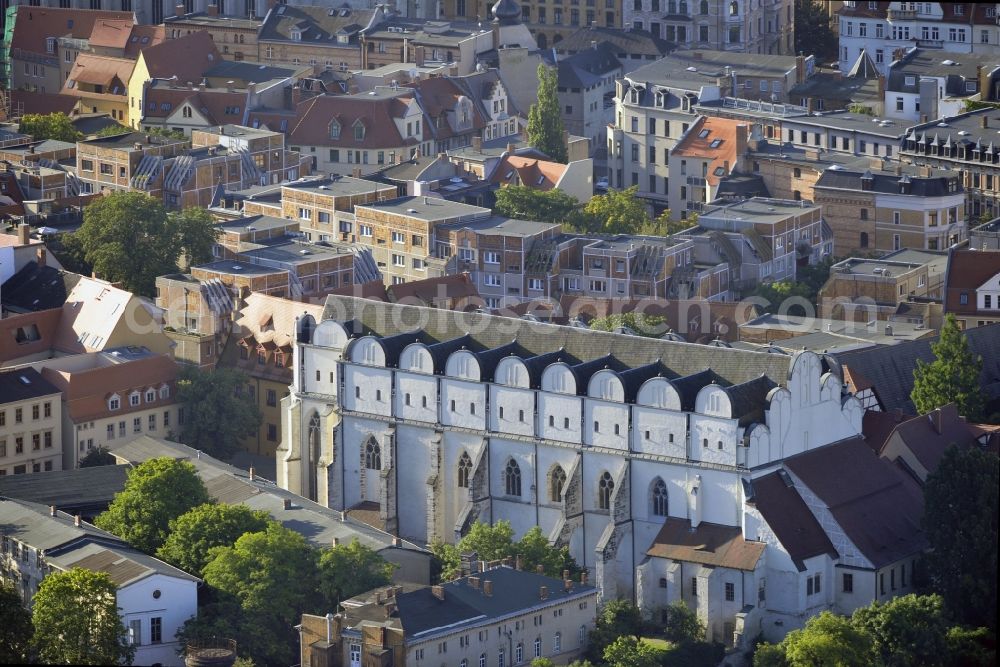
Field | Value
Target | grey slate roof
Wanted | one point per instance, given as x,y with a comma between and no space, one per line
628,43
36,288
24,384
489,331
81,487
889,183
890,368
317,25
589,67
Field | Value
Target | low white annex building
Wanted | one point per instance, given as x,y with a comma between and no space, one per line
154,598
654,461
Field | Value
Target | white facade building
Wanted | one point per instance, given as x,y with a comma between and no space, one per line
441,419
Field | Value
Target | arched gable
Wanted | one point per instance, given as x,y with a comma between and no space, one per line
329,333
657,392
512,372
606,385
559,378
712,400
417,358
462,364
366,350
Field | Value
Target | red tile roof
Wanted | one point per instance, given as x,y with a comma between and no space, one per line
44,324
187,57
144,36
99,71
708,544
456,291
34,25
315,116
530,172
967,271
694,144
31,102
111,33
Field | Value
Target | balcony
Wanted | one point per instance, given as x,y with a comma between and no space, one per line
902,14
930,43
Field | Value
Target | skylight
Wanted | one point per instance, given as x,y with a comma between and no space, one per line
703,134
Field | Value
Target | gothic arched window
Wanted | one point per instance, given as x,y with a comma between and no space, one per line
659,497
464,470
373,455
512,478
604,488
557,480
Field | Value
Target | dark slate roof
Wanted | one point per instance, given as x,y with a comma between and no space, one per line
488,359
934,186
878,506
537,363
931,63
788,516
37,288
585,370
749,399
627,42
441,351
571,344
24,384
394,345
742,185
890,367
513,591
633,378
689,386
588,67
68,489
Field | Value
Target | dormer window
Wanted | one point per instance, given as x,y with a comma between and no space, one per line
296,35
133,399
359,131
164,392
150,395
335,130
115,402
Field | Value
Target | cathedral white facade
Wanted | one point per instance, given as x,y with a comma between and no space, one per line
639,454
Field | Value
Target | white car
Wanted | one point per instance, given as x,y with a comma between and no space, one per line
601,183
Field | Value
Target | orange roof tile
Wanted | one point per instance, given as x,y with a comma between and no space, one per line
713,138
527,171
34,25
111,33
708,544
187,57
99,71
28,334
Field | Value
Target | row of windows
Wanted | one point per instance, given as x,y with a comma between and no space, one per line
442,647
23,468
38,441
38,411
135,398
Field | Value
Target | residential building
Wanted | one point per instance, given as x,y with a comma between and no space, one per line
540,425
37,41
875,211
455,44
861,289
320,526
235,36
586,90
923,84
766,27
633,48
30,425
154,599
315,35
575,179
112,396
972,287
124,161
704,156
882,29
862,86
100,85
483,616
169,105
965,144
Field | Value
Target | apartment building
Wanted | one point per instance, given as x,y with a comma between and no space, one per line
586,90
112,396
324,207
154,599
455,44
972,287
462,109
100,85
967,145
766,27
328,37
633,48
492,605
881,29
924,84
873,211
863,289
124,161
235,36
30,425
39,41
699,162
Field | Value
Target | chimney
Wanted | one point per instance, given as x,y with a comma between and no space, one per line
396,542
76,520
800,69
518,562
565,574
511,148
881,87
335,542
179,9
742,132
985,121
923,118
296,95
252,474
356,172
23,234
568,584
390,609
212,10
540,569
697,55
438,592
287,503
477,143
583,578
543,593
936,421
419,56
474,582
487,588
52,510
378,595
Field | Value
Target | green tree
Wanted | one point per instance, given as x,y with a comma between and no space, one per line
496,542
15,626
197,234
76,620
775,293
617,212
695,654
617,618
112,130
68,249
534,550
960,521
907,630
156,492
216,417
545,127
98,456
953,376
971,648
813,33
270,576
827,640
628,651
542,662
519,201
128,238
682,624
347,570
769,655
196,532
166,133
652,326
56,126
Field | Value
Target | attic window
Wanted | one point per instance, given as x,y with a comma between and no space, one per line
166,106
719,171
715,143
335,130
359,131
703,134
145,40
